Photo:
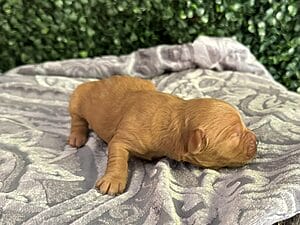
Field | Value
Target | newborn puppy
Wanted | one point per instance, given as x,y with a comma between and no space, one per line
135,119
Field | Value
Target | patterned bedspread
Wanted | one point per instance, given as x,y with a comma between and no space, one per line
45,181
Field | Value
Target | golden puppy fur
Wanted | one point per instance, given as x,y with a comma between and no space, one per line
135,119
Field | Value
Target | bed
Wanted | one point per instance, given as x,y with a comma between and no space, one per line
45,181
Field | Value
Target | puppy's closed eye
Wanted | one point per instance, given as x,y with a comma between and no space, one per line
235,135
235,139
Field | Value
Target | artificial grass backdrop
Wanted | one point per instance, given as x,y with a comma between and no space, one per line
36,31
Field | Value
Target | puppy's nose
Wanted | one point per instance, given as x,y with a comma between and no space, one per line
251,144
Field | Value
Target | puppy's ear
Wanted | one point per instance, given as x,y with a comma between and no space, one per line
196,141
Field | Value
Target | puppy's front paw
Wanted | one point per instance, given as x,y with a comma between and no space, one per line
110,185
77,139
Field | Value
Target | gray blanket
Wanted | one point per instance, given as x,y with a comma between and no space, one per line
45,181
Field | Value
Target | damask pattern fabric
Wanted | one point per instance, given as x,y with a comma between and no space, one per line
45,181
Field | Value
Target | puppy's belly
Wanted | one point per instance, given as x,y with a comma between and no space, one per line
150,155
105,134
103,122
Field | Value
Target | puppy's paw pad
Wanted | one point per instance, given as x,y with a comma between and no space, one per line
77,140
110,185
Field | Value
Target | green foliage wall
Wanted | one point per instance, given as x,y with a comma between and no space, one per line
40,30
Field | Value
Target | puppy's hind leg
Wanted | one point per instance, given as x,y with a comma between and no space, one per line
79,131
79,125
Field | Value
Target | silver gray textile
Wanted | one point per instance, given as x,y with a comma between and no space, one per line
45,181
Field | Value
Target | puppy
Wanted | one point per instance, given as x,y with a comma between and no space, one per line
135,119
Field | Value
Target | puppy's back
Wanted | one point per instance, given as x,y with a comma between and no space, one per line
123,84
127,83
115,85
